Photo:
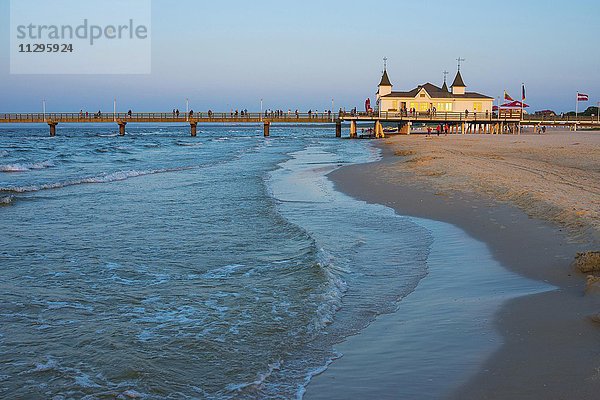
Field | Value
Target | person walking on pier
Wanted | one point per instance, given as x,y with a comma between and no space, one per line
177,113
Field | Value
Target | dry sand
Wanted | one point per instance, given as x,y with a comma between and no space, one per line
534,199
555,177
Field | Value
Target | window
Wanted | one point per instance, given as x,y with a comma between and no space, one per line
477,106
443,106
394,106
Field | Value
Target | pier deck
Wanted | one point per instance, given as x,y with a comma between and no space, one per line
458,122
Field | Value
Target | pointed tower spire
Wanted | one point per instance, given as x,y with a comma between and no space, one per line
385,80
458,81
444,86
458,86
385,86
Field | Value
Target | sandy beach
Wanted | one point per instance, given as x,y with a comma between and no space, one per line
534,201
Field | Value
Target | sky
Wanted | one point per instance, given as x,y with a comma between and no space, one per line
302,55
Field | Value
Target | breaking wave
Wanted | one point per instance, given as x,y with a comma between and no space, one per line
104,178
6,200
26,166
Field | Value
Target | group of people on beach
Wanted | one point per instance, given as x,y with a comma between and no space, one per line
441,128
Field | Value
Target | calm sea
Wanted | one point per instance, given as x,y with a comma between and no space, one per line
157,265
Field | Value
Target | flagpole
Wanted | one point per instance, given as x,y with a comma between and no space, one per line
522,100
576,111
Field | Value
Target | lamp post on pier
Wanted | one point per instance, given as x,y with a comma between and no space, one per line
261,109
115,109
44,109
498,110
332,109
187,109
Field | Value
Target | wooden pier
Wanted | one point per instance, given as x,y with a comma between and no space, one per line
458,123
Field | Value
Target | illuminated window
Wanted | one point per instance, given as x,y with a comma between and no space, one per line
443,106
477,106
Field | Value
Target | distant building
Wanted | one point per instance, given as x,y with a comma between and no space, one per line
545,113
430,98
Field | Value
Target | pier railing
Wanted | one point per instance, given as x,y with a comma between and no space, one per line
169,117
425,116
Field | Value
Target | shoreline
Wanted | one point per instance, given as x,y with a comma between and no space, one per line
549,346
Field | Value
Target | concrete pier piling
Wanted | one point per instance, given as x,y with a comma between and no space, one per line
52,126
404,128
338,128
121,127
353,129
266,128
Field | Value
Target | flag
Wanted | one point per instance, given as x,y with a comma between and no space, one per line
507,97
582,97
523,97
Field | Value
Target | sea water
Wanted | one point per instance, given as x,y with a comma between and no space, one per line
157,265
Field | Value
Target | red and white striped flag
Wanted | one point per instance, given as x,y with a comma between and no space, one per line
582,97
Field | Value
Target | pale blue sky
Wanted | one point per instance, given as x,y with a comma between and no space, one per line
224,55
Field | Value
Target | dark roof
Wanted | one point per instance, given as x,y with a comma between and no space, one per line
458,81
445,87
437,92
385,80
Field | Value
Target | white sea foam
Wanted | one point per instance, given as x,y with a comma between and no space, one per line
104,178
23,167
131,394
261,377
49,365
189,144
331,299
222,272
314,372
6,200
57,305
85,381
3,153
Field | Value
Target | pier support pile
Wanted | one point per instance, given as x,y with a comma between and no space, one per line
52,126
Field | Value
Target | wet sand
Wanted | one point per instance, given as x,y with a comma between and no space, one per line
534,200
